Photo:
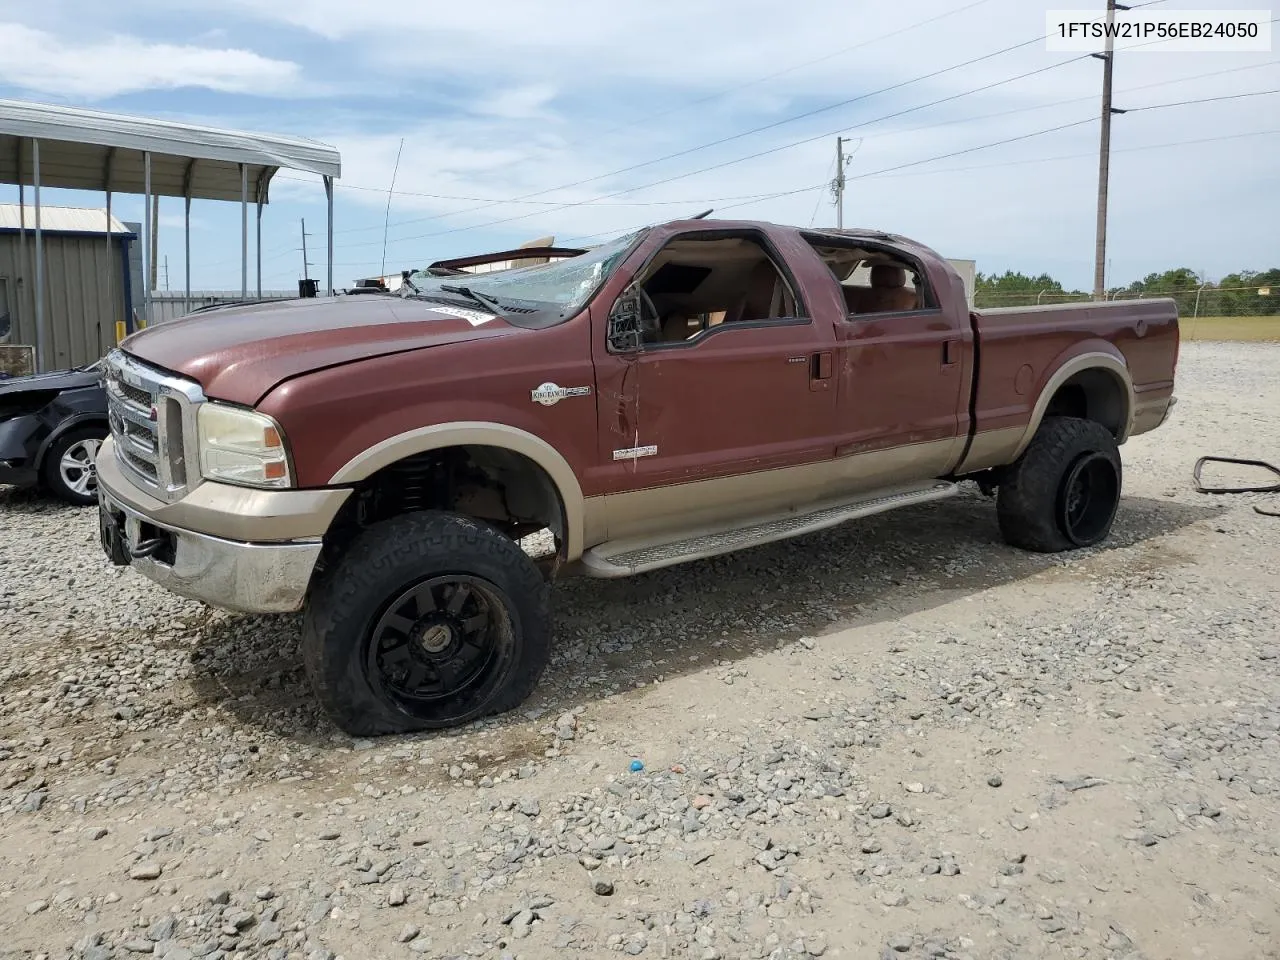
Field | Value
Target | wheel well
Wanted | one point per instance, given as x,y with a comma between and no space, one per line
505,489
63,429
1095,395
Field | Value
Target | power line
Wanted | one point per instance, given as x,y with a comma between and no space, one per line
778,123
996,143
1078,156
822,192
792,119
785,120
890,171
1184,103
737,160
568,205
490,201
982,146
761,129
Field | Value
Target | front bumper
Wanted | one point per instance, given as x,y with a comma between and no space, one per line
245,577
248,576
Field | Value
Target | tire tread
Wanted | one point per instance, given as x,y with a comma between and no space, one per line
1027,498
342,597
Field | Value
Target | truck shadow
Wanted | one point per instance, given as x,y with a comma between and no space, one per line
613,636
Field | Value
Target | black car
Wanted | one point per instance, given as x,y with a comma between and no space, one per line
51,426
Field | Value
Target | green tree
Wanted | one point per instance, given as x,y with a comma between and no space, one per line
1236,295
1180,283
1011,289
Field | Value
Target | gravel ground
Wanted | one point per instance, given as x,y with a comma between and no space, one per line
897,739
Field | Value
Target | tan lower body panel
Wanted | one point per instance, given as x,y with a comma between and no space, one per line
678,507
622,558
1150,412
992,448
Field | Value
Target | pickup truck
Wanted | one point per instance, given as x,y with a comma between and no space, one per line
692,388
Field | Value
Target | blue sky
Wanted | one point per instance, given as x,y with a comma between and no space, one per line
503,100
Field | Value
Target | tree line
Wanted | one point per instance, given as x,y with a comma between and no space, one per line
1247,293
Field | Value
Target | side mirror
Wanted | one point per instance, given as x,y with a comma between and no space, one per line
625,322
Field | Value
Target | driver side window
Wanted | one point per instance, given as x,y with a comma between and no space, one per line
695,285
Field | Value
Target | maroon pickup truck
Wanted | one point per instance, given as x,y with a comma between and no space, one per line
690,389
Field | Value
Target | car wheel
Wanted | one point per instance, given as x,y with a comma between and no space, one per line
69,471
1062,493
428,620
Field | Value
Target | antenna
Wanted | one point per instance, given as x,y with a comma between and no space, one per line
704,214
387,219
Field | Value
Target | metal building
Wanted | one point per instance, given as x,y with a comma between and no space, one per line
88,288
91,150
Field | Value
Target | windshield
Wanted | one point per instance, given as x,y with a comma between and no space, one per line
561,286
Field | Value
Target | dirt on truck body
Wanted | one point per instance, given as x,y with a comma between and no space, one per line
697,387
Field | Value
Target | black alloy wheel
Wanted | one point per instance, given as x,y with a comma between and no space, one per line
438,639
1088,499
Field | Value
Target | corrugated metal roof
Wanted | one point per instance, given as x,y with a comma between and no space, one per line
91,150
59,219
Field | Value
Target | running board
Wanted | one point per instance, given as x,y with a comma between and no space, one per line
622,558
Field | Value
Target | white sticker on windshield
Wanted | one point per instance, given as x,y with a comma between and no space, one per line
474,317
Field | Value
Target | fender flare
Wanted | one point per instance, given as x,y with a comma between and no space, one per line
479,433
1093,360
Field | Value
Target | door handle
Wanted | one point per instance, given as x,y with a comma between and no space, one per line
820,371
950,352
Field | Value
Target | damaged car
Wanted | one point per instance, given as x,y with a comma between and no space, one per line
51,425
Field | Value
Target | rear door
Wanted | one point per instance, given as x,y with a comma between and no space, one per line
903,359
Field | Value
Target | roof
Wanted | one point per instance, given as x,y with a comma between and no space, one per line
60,219
90,150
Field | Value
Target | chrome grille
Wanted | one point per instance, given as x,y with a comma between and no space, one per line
133,394
153,425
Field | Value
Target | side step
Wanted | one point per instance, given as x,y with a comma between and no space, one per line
622,558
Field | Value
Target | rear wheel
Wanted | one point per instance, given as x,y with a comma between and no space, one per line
428,620
1062,493
69,471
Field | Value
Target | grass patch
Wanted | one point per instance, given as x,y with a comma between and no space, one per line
1239,329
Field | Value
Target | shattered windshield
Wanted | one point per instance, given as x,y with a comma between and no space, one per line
561,286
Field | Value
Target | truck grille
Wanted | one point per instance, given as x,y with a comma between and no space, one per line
153,425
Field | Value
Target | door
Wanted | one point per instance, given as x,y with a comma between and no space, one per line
728,407
902,369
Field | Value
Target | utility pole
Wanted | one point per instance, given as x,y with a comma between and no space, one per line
1104,156
305,265
838,183
166,273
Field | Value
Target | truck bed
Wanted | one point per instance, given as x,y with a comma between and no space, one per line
1024,362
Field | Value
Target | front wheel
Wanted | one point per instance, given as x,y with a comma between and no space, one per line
428,620
1062,493
69,470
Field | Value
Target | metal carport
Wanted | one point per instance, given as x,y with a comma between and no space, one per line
54,146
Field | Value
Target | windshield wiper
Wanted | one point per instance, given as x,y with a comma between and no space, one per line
481,298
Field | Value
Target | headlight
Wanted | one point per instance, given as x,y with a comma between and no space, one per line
241,446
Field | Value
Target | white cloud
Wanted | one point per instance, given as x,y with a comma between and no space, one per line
105,67
517,103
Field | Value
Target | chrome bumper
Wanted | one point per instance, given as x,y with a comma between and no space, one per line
245,577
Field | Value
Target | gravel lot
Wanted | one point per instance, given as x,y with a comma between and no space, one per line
897,739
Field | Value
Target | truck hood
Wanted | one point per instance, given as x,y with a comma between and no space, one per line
240,353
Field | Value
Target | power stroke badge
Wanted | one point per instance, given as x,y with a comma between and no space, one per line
549,394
